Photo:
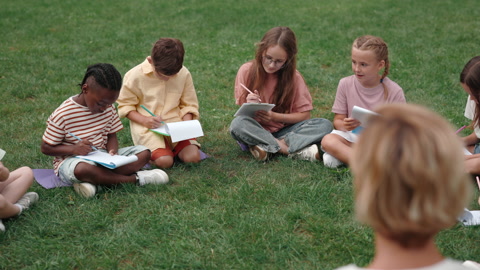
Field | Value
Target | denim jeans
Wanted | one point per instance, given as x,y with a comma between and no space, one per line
297,136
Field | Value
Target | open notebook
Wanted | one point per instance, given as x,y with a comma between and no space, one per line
249,109
180,131
362,115
109,161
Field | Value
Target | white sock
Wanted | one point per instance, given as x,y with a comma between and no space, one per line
20,207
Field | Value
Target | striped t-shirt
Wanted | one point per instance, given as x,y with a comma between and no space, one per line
78,120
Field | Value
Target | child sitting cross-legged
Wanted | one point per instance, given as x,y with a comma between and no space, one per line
89,121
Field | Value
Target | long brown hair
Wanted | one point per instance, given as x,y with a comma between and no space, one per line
470,76
283,94
380,49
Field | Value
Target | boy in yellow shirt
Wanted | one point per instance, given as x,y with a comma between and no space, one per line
165,87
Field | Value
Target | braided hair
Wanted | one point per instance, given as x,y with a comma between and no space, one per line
380,49
106,75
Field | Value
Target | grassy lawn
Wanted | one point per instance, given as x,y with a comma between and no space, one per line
228,212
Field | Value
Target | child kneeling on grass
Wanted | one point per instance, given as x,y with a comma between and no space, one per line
13,185
164,88
89,121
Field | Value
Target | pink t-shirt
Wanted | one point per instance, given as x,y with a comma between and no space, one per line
302,101
350,92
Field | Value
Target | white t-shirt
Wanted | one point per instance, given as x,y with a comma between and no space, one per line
447,264
470,113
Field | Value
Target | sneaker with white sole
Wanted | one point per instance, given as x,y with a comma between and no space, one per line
471,265
259,153
85,189
331,161
27,199
309,153
156,177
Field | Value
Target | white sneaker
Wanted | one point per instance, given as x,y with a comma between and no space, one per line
85,189
331,161
2,227
471,265
27,199
309,153
470,218
155,176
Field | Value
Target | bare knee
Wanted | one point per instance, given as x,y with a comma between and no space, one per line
329,142
191,159
190,154
22,176
3,203
26,172
85,172
164,162
144,156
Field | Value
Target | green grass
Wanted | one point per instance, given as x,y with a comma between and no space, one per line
229,212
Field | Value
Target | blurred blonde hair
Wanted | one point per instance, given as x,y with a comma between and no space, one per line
409,176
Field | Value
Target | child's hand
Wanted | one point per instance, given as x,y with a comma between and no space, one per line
350,123
112,152
82,148
254,97
4,172
263,116
152,121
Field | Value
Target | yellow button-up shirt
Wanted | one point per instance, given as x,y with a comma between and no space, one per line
170,99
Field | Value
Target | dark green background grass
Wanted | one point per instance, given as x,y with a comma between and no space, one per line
229,212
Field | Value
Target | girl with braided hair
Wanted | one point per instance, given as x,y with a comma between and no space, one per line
89,121
367,88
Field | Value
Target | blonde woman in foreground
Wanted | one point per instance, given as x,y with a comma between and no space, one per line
410,183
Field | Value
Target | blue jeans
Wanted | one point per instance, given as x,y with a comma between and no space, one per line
297,136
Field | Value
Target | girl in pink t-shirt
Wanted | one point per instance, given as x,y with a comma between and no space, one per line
273,78
366,89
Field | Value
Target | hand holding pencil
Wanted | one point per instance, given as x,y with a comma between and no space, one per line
253,97
152,122
83,147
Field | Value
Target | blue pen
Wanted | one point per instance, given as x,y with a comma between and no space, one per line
73,135
152,114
